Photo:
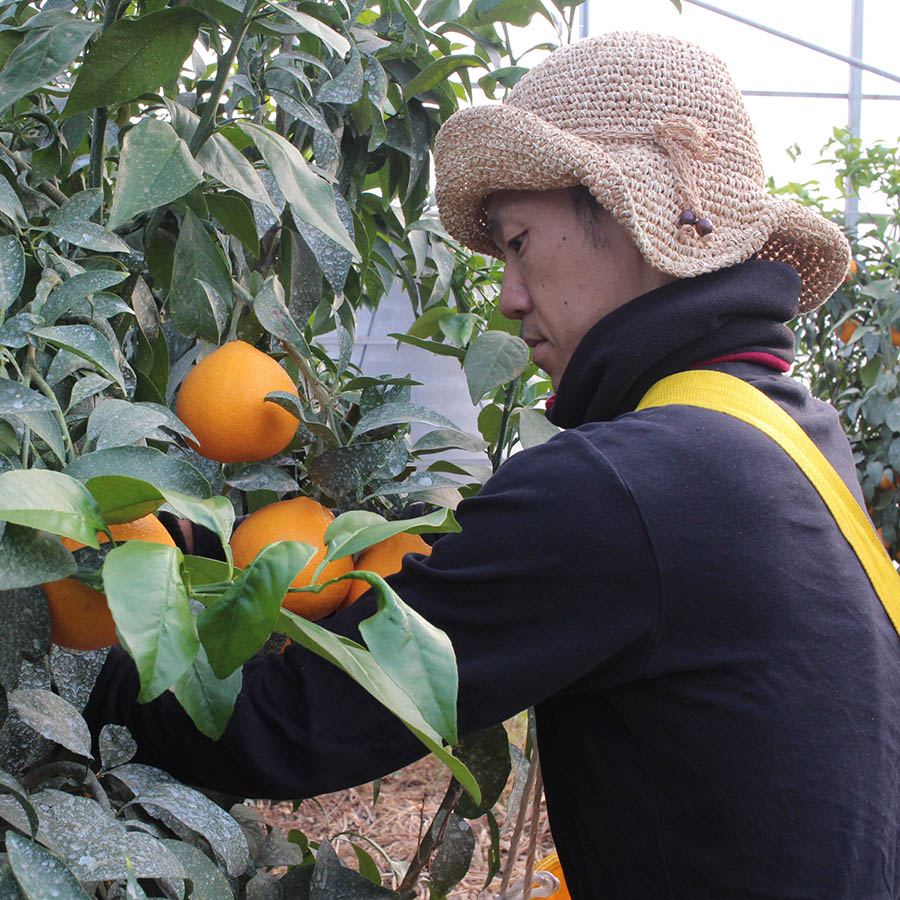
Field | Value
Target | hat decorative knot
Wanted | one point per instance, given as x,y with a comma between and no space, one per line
657,131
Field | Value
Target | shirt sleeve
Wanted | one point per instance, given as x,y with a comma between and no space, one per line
551,586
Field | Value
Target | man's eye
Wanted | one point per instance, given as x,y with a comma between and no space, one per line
515,244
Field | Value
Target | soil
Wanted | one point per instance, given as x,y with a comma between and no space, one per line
405,807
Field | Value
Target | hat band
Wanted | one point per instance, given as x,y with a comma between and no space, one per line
682,138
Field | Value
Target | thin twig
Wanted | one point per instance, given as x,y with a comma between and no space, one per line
431,841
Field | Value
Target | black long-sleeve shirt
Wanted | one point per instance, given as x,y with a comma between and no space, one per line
717,685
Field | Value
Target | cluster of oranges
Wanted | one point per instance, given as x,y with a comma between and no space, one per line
222,401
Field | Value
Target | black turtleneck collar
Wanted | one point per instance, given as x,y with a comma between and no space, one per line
735,310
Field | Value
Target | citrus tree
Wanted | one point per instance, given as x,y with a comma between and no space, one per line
191,197
849,349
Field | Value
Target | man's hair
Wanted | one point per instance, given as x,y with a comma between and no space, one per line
589,212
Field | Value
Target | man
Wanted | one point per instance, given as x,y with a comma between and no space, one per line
716,682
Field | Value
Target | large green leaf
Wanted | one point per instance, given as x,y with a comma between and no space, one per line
149,603
197,260
134,57
415,654
494,358
12,271
42,55
237,625
91,236
50,501
118,423
361,666
311,197
145,463
155,168
206,698
16,398
52,717
86,342
39,873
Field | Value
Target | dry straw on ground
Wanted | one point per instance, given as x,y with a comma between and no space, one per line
402,813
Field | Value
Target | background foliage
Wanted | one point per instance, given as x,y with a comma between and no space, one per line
173,177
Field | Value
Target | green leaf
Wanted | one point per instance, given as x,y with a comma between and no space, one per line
50,501
515,12
146,463
323,32
46,427
29,557
124,499
415,654
535,427
454,855
76,288
12,271
351,532
16,398
134,57
486,755
221,159
155,168
197,259
86,342
207,880
347,87
42,55
236,217
274,316
39,873
397,414
53,718
494,358
311,197
237,625
361,666
435,347
149,603
447,438
117,423
10,204
206,698
437,72
79,207
91,236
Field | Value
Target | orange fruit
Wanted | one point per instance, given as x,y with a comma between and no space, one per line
79,616
222,401
853,271
886,483
551,864
847,329
895,337
302,519
384,558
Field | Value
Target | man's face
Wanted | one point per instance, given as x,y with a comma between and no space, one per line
559,279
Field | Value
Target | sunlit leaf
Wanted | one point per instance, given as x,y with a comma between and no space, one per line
149,603
494,358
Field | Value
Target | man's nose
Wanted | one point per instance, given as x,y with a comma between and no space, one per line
515,301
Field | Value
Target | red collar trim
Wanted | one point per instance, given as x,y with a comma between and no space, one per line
764,359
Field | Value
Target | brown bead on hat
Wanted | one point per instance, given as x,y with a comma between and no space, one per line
657,131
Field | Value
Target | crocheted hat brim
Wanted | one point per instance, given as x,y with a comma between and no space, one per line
485,149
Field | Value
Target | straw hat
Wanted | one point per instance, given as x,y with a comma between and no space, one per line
657,131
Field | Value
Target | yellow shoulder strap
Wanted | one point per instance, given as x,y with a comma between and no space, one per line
730,395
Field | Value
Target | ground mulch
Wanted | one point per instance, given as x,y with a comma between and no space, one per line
402,813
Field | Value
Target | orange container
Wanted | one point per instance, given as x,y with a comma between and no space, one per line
551,864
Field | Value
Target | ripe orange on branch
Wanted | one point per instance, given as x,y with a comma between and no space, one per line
385,558
302,519
222,400
79,615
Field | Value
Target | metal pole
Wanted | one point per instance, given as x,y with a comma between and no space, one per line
850,60
854,102
584,19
